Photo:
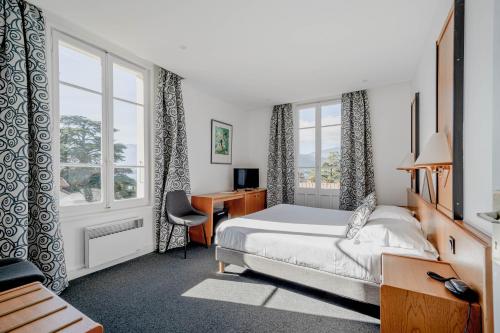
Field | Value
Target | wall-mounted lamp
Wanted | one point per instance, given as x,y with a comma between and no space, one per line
408,165
435,158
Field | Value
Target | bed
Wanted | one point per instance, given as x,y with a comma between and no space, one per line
308,246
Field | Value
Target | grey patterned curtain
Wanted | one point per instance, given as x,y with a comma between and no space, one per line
29,221
280,165
171,166
356,162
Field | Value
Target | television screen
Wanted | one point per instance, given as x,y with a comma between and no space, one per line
246,178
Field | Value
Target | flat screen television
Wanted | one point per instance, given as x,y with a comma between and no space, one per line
246,178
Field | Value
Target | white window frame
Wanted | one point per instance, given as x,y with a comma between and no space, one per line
108,202
317,146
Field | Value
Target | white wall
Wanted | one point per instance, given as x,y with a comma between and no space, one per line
478,111
259,123
496,159
200,108
496,101
478,102
391,123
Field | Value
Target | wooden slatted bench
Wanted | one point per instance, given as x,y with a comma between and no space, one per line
33,308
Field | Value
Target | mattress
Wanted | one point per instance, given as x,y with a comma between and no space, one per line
306,236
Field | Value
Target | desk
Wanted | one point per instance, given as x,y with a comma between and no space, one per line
410,301
33,308
239,203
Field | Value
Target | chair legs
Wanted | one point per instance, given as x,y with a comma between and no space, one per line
186,232
170,236
186,229
204,235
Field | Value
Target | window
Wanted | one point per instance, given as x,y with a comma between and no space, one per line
100,102
319,146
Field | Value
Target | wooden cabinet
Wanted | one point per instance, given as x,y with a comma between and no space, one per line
410,301
255,201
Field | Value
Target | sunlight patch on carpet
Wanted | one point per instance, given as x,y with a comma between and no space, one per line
269,296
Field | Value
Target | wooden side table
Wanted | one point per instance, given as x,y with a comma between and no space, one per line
410,301
33,308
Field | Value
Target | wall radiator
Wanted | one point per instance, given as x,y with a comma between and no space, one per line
113,240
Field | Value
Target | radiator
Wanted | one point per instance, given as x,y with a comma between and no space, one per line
113,240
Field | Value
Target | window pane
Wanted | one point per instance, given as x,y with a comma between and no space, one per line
80,185
79,67
128,137
307,177
128,84
307,156
331,114
330,157
129,183
307,117
80,125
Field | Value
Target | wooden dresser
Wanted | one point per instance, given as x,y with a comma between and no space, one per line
239,203
33,308
410,301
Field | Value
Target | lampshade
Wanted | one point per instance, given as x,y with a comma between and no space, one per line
435,152
407,163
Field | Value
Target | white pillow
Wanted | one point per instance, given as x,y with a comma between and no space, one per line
395,234
394,212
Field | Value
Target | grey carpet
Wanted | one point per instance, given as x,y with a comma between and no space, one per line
165,293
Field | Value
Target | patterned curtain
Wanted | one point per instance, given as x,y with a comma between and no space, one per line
29,221
280,165
356,162
170,154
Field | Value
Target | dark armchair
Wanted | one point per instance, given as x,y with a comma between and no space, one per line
181,213
15,272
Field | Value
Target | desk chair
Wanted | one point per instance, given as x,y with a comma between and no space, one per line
181,213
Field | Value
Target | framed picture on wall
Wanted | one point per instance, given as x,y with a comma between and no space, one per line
415,138
221,143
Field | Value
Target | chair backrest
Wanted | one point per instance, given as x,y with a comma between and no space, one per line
178,203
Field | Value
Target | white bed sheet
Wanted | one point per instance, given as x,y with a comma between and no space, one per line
306,236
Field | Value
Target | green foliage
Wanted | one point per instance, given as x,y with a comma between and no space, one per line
330,169
80,140
221,141
125,187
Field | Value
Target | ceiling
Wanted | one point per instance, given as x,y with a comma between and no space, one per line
263,52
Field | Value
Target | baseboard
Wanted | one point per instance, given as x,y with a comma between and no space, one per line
82,271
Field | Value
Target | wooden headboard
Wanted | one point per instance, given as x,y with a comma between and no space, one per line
472,258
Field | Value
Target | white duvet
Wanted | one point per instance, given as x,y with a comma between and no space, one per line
305,236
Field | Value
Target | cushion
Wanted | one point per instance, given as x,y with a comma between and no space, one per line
358,220
15,273
395,233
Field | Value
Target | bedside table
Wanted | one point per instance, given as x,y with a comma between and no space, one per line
410,301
